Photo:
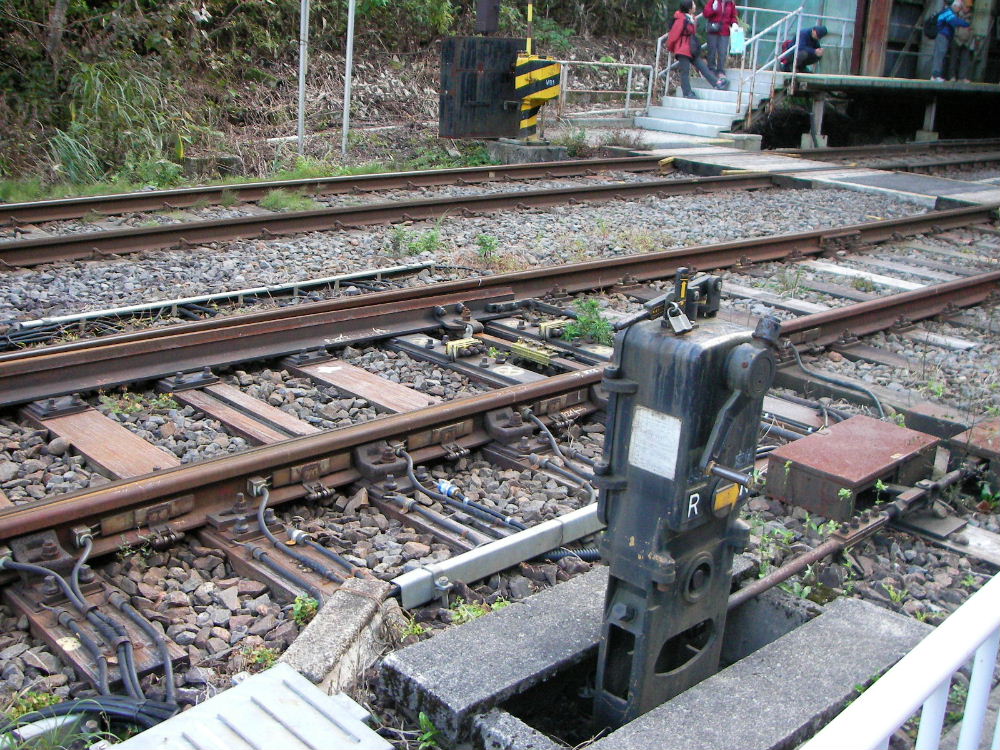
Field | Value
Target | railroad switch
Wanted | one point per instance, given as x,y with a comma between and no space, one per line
683,413
694,296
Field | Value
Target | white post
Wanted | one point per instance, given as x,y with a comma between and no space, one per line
303,67
983,665
628,95
932,716
348,69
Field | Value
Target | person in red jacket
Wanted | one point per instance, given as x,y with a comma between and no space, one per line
679,41
721,15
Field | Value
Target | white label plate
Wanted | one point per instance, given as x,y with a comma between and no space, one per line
655,441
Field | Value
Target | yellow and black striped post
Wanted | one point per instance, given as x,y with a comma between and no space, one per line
536,81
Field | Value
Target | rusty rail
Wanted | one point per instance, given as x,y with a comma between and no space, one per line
212,485
34,374
888,149
158,200
89,245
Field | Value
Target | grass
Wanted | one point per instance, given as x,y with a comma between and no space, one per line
487,246
403,241
463,611
286,201
590,324
30,701
127,402
304,609
260,658
412,628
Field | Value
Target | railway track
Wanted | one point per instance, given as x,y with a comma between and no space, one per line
503,333
17,214
93,245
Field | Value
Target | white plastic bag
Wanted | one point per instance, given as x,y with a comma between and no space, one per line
737,39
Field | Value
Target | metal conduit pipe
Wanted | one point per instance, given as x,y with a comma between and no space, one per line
473,509
408,504
265,559
322,570
419,586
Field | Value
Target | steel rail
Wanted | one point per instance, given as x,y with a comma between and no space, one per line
100,244
213,484
72,208
864,318
841,152
34,374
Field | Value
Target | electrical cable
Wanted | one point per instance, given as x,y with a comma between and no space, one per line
448,495
113,632
122,643
583,474
322,570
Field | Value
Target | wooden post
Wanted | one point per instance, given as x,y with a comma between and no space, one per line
876,36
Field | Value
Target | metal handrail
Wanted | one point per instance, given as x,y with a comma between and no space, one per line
632,67
922,678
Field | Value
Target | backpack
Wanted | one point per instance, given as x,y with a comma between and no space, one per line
931,26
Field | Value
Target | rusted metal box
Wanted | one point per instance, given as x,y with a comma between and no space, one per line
826,472
982,441
478,98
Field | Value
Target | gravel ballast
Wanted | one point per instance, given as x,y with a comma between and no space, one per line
524,238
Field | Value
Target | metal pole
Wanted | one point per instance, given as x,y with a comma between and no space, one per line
303,67
348,69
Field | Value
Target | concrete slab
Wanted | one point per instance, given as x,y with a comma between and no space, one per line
346,635
529,642
470,669
512,152
499,730
780,695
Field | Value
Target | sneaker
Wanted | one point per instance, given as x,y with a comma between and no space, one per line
722,84
937,79
691,95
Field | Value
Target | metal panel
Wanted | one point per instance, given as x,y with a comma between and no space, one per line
478,99
826,471
278,708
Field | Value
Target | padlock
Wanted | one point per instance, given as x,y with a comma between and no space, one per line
676,319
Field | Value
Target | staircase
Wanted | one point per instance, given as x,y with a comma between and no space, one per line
713,112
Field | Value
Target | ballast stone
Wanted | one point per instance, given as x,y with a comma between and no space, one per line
782,694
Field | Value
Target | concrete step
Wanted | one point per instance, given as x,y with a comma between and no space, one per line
679,126
724,119
759,89
694,105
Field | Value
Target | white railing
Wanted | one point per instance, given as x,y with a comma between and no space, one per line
629,91
923,678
